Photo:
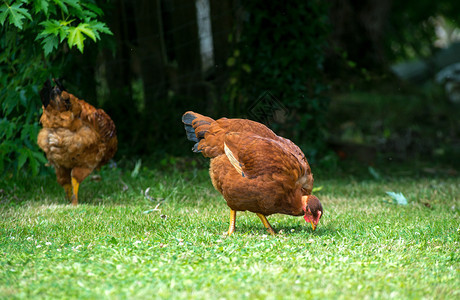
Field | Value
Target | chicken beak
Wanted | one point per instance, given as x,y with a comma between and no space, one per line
309,218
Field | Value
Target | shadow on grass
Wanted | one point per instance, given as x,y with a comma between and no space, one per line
286,230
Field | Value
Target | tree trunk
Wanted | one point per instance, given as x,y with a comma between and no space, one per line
187,48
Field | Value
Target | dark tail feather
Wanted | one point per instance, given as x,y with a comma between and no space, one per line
191,133
58,82
45,93
188,118
196,126
48,91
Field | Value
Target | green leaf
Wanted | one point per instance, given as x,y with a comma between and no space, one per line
100,27
22,11
62,35
76,10
66,22
76,38
35,158
87,14
61,5
76,35
34,165
51,27
41,6
16,14
22,97
39,156
3,14
64,29
7,128
9,103
49,44
73,3
23,155
94,8
84,28
7,146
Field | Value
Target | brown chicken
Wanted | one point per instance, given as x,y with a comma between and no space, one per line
76,137
254,169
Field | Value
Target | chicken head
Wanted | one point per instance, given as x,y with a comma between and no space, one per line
313,210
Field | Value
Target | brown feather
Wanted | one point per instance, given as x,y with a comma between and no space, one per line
260,171
76,137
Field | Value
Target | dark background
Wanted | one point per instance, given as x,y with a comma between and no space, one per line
321,73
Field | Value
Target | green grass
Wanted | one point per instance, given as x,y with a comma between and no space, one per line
109,247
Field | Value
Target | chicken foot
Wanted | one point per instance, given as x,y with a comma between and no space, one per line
71,190
75,185
266,224
264,220
77,176
231,229
65,180
68,190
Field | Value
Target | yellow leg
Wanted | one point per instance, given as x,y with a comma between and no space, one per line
75,186
231,229
266,224
68,190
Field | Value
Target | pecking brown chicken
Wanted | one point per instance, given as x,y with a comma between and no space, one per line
254,169
76,137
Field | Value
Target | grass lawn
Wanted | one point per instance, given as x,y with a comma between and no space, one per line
116,245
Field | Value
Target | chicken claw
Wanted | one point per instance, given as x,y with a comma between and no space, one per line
74,196
231,229
266,224
68,191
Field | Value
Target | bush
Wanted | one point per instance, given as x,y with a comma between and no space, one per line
36,38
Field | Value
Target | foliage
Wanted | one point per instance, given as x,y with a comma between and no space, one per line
116,245
36,40
279,49
411,31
